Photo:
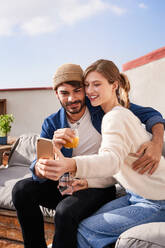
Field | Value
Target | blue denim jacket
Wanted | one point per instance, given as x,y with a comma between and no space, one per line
147,115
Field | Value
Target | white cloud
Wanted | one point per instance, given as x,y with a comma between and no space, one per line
142,6
76,11
44,16
38,25
117,10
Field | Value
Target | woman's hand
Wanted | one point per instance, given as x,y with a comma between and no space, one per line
54,169
73,185
149,155
79,184
37,173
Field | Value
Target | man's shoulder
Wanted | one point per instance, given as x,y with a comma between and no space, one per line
56,115
53,116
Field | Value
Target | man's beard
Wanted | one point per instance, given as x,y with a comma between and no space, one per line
74,111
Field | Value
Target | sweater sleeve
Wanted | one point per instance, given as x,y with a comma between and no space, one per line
115,147
101,182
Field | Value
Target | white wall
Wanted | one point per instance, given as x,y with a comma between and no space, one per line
148,85
29,108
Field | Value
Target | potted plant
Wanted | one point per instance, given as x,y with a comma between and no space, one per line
5,127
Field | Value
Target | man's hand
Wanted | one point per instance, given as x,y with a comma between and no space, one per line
149,155
150,152
62,136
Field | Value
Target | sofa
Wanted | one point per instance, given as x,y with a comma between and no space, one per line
23,152
150,235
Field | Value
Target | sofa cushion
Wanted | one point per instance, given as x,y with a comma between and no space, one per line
23,151
151,235
21,156
8,178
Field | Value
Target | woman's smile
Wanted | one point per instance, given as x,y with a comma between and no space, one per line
100,91
92,97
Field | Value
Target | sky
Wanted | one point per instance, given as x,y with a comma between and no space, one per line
37,36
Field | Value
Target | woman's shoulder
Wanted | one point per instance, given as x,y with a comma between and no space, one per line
120,113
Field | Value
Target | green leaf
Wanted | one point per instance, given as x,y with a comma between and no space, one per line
5,123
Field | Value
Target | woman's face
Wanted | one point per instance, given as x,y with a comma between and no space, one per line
100,91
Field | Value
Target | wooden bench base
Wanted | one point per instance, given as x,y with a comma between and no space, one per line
10,244
10,231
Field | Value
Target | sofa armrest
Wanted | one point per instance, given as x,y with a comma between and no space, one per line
151,235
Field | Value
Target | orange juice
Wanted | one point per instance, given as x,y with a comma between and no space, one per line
75,140
72,144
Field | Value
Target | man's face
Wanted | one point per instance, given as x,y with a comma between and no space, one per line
71,98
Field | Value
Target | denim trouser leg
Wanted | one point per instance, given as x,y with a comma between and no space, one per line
105,226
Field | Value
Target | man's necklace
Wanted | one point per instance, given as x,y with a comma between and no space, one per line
78,122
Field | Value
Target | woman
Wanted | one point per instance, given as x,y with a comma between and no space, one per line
122,134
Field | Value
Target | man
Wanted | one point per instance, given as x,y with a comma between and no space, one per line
29,194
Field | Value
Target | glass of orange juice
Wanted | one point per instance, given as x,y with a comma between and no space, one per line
75,140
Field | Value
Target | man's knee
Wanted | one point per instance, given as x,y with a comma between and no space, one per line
19,193
64,211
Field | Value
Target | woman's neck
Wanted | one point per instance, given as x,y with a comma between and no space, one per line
109,106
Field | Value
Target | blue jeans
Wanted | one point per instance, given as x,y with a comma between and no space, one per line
105,226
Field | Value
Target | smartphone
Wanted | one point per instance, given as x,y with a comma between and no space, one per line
45,148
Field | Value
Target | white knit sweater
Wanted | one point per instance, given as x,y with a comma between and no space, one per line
122,134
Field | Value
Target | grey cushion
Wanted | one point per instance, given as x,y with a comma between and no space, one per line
21,156
8,178
23,151
151,235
